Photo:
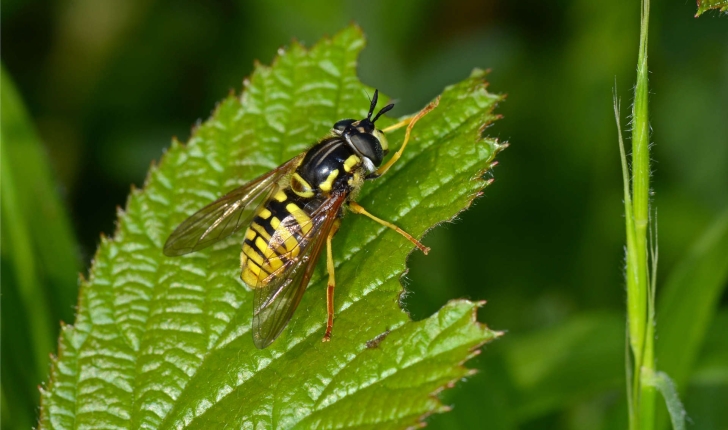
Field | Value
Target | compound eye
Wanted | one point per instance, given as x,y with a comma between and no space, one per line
368,146
343,124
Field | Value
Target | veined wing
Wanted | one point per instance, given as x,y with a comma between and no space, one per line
279,296
225,215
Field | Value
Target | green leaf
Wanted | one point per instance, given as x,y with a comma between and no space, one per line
40,261
576,359
666,386
690,301
706,5
708,385
711,367
164,342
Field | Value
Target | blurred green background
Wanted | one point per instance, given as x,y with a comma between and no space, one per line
107,84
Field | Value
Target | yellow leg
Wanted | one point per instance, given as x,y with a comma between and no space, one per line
410,122
399,125
332,284
358,209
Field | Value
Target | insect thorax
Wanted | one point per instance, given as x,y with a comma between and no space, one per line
330,165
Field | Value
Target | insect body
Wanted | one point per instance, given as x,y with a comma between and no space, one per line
329,170
290,212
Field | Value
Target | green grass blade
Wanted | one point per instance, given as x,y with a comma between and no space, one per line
637,270
666,387
165,342
49,225
639,295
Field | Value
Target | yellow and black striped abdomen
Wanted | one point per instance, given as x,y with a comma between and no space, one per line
273,238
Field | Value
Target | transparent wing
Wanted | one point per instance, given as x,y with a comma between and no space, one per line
275,302
225,215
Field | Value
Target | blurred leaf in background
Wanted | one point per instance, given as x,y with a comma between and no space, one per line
107,83
689,304
40,260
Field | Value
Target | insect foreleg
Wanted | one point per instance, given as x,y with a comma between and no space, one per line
399,125
410,122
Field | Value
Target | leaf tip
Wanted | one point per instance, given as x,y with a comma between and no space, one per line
478,73
498,333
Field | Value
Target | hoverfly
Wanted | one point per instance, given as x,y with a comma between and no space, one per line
290,212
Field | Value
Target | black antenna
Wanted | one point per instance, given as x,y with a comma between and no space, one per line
384,110
374,104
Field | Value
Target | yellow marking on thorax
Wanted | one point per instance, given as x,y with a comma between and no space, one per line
300,186
264,213
350,162
275,223
301,217
356,180
280,196
250,234
329,182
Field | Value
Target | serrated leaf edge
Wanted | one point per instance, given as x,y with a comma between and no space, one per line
68,331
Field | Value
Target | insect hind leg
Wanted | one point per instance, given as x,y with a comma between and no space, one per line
332,283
